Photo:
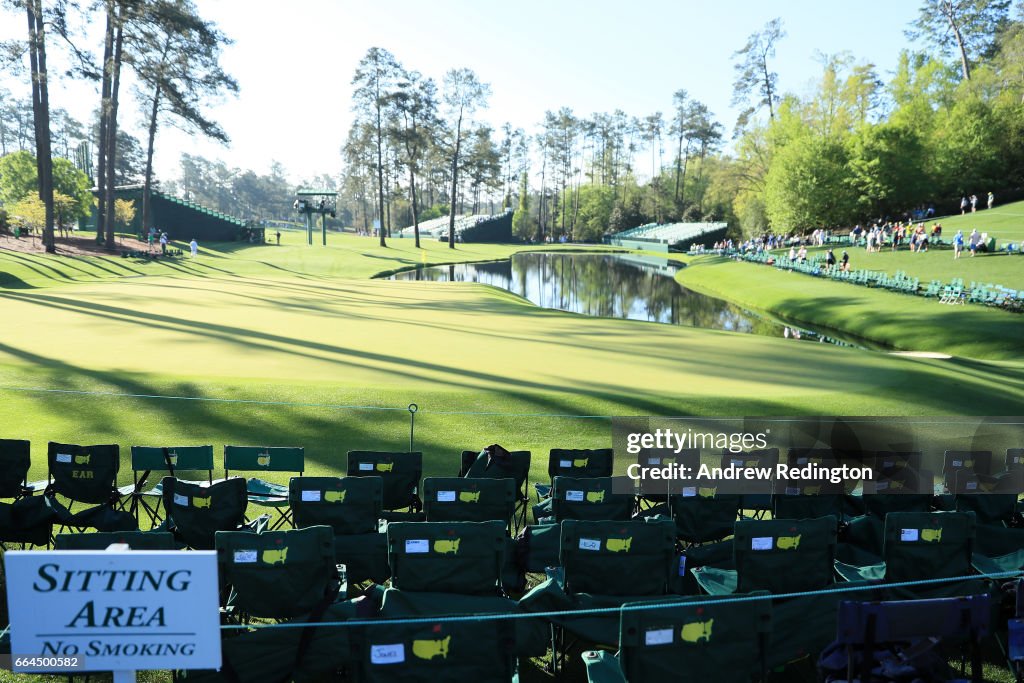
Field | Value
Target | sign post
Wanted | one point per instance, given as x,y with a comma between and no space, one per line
78,611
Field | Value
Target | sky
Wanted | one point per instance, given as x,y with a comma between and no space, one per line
294,62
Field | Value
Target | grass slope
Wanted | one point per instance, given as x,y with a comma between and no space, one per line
457,350
345,256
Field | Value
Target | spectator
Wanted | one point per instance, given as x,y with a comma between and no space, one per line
830,260
974,203
958,244
278,235
963,205
845,262
974,241
163,243
193,247
991,200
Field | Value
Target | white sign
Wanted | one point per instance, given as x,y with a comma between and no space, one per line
135,610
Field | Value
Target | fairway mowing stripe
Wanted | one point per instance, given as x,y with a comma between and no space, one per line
337,406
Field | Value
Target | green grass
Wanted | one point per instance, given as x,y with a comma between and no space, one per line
345,256
1002,222
457,350
900,321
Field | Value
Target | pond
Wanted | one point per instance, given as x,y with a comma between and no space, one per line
615,286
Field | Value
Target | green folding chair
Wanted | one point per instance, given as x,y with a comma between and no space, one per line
579,463
776,555
658,491
25,520
352,507
401,473
702,514
447,557
978,462
195,513
712,641
899,484
349,505
455,499
759,501
494,462
807,499
174,460
84,474
278,574
593,499
1014,458
992,499
101,540
438,650
930,545
634,558
266,459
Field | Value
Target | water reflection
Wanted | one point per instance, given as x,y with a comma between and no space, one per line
613,286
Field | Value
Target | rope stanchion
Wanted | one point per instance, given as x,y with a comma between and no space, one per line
840,588
412,424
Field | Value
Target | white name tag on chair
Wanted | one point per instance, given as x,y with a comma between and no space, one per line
63,457
310,496
660,636
762,543
590,544
387,654
245,556
910,535
418,545
446,496
565,463
366,467
180,500
574,496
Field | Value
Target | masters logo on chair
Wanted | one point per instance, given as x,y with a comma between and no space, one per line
385,466
334,496
275,556
469,496
788,542
697,631
263,459
595,496
430,649
447,547
619,545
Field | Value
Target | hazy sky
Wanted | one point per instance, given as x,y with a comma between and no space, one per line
294,61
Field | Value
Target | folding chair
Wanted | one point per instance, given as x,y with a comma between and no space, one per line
591,499
400,471
447,557
658,491
992,499
917,625
454,499
279,574
688,643
173,460
266,459
899,484
25,520
438,651
101,540
579,463
1014,458
195,513
807,499
931,545
759,502
702,515
85,474
352,507
979,462
606,564
776,555
495,462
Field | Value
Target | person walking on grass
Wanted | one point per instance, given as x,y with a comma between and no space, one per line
958,244
974,203
991,200
163,244
974,241
963,205
193,247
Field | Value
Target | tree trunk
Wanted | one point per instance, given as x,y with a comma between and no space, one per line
41,116
965,65
147,188
101,147
455,181
380,169
111,141
412,196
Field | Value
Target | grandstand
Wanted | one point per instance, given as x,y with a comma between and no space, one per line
472,228
180,218
678,235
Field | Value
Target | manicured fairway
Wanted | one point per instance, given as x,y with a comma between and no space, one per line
457,350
